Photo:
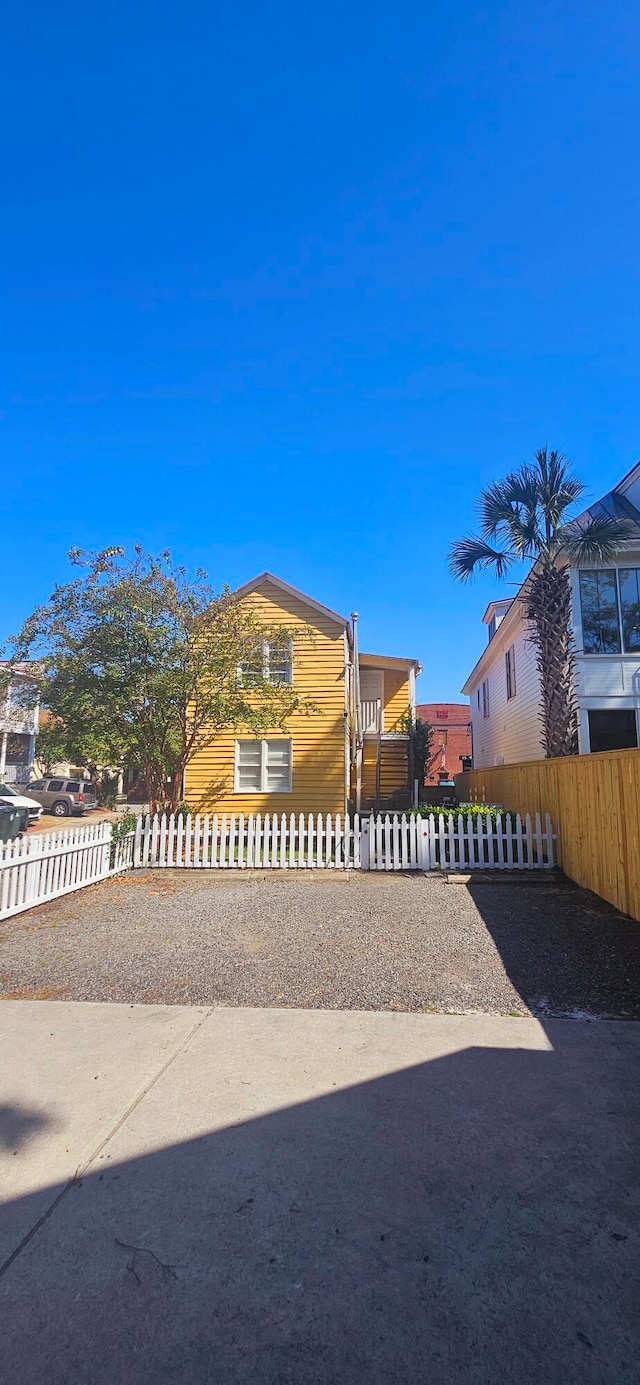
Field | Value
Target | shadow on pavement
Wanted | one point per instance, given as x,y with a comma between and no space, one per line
566,951
19,1126
472,1219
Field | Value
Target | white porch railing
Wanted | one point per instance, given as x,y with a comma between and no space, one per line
16,774
44,866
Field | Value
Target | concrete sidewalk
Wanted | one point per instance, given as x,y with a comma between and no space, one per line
314,1196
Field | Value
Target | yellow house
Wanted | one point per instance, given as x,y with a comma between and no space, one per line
351,753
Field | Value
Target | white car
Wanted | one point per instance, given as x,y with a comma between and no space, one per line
19,800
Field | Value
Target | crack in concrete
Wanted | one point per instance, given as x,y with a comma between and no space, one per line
83,1168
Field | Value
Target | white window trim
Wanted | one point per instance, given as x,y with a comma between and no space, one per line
263,765
266,664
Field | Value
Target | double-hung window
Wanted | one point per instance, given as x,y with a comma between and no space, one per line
510,671
270,660
263,766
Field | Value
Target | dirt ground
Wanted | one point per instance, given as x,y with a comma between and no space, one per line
329,941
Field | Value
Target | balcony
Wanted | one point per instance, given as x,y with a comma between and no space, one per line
371,713
18,721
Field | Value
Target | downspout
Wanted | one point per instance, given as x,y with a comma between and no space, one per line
378,751
411,773
348,717
357,719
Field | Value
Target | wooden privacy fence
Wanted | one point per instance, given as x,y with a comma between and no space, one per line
35,869
594,801
40,868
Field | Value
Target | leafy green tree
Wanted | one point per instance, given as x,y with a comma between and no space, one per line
420,741
140,664
526,518
52,745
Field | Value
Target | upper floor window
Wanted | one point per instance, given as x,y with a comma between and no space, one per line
599,606
610,606
271,660
510,671
485,698
629,579
493,626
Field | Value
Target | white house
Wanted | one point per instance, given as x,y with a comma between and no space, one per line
504,687
18,729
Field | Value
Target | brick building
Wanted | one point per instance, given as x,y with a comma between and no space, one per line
451,722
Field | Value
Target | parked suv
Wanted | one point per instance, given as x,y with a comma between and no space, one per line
64,796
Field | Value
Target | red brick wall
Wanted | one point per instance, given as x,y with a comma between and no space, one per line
451,723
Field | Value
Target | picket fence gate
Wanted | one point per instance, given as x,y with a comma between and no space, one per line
39,868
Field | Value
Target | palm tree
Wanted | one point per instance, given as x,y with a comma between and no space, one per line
524,518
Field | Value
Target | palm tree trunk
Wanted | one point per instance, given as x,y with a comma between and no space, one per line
548,607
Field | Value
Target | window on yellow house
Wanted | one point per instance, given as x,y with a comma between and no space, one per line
271,660
263,767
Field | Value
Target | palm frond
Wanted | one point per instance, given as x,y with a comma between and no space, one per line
496,506
501,502
597,541
557,487
473,553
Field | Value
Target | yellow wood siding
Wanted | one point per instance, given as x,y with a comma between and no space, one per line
594,802
396,699
318,779
393,768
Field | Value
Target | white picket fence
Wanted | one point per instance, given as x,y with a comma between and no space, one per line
389,842
269,842
34,869
453,842
38,868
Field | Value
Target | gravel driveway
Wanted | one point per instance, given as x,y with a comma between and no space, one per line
328,941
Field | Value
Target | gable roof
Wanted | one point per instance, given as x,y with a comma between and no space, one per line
506,630
290,591
390,661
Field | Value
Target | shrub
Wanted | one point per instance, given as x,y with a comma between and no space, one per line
119,831
464,810
107,789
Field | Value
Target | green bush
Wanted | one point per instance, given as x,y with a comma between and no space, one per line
465,810
119,831
107,789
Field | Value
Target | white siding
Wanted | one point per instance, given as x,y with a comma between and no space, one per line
608,675
511,732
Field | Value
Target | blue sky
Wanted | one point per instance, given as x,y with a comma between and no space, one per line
282,286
